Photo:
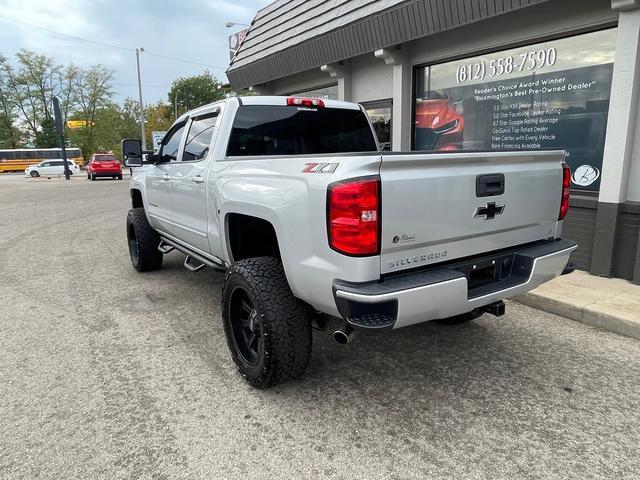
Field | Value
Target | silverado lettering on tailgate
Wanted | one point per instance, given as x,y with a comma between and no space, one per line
416,259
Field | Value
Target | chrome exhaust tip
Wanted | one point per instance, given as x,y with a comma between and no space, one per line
344,335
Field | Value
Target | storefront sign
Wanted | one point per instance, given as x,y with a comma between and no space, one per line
552,95
235,41
75,124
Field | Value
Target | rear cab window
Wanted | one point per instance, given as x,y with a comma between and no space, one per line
290,130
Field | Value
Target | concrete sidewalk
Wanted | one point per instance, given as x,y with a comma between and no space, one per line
609,303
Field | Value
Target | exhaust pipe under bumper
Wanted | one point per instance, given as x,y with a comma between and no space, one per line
344,335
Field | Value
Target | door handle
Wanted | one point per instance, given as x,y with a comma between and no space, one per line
166,177
197,179
489,185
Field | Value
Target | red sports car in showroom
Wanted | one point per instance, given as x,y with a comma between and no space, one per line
438,124
103,165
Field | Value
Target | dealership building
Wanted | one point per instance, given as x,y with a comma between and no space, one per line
455,75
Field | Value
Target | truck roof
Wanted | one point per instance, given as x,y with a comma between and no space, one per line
282,100
269,100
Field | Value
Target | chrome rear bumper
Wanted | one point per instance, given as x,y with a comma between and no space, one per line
443,292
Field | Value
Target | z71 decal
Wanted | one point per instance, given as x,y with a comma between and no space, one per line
320,167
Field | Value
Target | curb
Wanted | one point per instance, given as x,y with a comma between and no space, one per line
592,314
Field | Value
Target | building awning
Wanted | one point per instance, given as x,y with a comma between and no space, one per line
291,36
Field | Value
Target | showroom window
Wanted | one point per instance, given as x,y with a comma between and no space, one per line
380,114
547,95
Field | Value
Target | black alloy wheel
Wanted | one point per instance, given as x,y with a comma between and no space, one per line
246,326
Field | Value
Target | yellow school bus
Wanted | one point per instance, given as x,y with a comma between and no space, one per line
16,160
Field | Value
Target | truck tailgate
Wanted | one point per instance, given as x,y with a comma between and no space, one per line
442,206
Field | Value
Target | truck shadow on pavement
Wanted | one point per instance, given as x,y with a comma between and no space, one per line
475,360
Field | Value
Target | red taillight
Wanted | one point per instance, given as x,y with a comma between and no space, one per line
305,102
353,213
566,191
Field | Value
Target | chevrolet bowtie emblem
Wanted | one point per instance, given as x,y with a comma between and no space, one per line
490,211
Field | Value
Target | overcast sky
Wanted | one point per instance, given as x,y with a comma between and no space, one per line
189,29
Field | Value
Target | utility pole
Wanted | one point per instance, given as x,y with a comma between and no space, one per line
144,137
175,104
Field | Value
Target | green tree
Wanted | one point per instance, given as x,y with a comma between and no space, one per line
157,117
31,87
27,91
112,124
10,135
94,92
188,93
68,90
47,137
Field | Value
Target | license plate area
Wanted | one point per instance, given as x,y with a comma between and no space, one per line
489,274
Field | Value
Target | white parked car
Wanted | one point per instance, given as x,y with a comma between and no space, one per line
50,168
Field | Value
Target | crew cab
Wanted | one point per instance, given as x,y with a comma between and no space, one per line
293,199
103,165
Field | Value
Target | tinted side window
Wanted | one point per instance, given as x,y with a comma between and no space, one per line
171,144
199,138
286,130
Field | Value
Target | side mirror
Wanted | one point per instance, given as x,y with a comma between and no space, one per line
132,152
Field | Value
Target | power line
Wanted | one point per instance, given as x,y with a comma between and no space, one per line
66,35
135,85
183,60
73,37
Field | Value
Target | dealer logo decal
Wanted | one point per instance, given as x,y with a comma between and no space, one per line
585,175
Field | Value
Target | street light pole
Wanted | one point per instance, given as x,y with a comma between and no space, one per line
144,139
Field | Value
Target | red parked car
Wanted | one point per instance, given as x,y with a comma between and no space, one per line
104,165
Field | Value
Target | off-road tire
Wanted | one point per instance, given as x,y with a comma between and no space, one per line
459,319
285,322
143,242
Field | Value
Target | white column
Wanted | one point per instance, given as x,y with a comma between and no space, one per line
623,108
402,115
401,112
342,75
619,141
344,88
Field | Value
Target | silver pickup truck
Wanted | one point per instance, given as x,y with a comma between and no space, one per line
311,222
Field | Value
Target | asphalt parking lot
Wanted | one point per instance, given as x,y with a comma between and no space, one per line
108,373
